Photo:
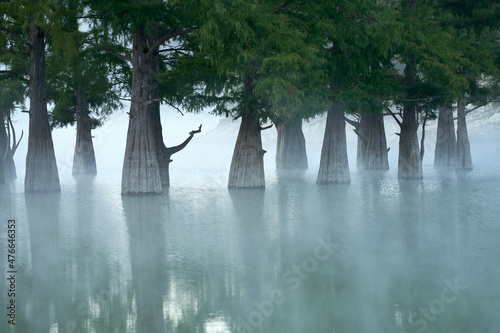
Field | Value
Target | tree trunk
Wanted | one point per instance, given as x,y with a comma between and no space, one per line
7,151
84,157
376,147
291,146
4,147
247,165
409,162
362,133
334,166
463,156
41,167
446,143
141,168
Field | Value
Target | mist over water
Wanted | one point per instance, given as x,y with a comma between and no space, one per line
378,255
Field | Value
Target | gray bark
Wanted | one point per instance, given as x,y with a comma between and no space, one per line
247,164
334,166
409,162
84,156
446,143
376,147
463,156
141,171
291,146
361,131
41,167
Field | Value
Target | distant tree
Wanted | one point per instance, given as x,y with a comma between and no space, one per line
431,61
260,55
29,23
354,39
474,25
82,81
14,85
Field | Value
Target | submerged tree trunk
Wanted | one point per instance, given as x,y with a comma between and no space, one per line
446,143
409,162
247,164
84,157
41,167
141,172
376,147
7,151
463,155
291,146
334,166
361,130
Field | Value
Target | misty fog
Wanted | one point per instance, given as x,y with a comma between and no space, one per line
378,255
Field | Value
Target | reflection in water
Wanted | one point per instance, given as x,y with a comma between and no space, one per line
148,260
45,260
378,255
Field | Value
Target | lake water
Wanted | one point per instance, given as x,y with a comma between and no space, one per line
378,255
295,257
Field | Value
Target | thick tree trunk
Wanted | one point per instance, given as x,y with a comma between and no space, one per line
247,165
291,146
463,156
141,171
376,147
362,133
41,167
334,166
409,162
84,157
446,143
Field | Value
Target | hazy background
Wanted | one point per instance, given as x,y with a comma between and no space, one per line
407,256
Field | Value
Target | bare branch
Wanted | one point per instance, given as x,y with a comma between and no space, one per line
173,150
264,128
353,123
394,116
118,55
169,35
172,105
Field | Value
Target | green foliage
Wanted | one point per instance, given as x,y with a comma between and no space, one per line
75,66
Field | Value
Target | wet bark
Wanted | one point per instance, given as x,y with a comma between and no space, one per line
291,146
361,131
446,143
463,155
247,164
376,147
41,167
84,156
141,171
409,162
334,166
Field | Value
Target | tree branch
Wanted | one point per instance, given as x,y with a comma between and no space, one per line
353,123
118,55
173,150
169,35
172,105
264,128
394,116
282,7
